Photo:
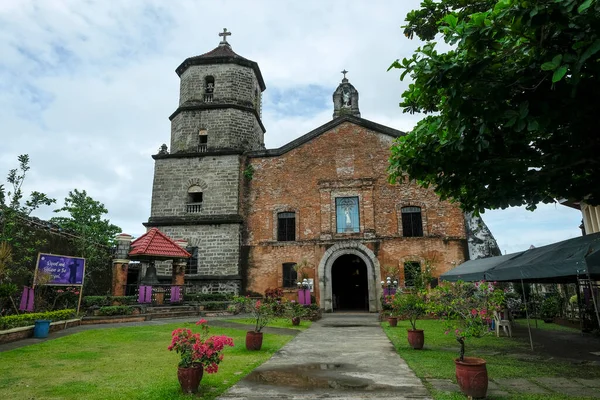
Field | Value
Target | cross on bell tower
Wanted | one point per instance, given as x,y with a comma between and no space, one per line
224,35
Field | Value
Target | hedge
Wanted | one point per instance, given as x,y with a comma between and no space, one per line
208,297
115,310
14,321
101,301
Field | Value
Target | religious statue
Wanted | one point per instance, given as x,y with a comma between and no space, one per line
348,218
345,98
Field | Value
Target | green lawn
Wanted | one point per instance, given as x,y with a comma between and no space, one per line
120,363
506,358
274,323
544,325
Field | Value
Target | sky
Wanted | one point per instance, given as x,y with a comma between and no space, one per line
86,89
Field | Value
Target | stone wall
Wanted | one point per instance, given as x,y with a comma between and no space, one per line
217,175
348,160
227,128
218,246
232,83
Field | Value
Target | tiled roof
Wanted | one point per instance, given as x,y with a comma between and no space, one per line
222,54
156,243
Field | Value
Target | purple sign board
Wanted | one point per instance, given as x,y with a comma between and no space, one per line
62,270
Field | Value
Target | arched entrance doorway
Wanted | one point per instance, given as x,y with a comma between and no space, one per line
349,284
353,250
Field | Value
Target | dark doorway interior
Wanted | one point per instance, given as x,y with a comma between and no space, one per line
349,284
133,278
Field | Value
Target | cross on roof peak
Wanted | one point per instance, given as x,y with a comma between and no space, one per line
224,35
344,72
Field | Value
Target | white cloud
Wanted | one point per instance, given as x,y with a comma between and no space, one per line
86,88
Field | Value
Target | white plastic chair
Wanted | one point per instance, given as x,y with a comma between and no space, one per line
504,323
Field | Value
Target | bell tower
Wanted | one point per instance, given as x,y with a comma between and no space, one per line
198,179
219,103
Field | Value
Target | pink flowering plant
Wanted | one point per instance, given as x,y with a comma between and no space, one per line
410,304
467,309
199,348
261,311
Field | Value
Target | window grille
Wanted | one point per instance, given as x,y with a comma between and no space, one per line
191,267
290,276
412,270
286,226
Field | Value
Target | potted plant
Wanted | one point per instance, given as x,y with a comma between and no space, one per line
388,305
262,313
198,351
411,305
550,308
467,310
295,311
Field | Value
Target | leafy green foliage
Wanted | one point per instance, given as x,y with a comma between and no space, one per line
411,306
14,321
466,309
115,310
511,105
208,297
15,210
95,234
101,301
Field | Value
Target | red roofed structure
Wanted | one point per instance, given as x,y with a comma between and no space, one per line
157,245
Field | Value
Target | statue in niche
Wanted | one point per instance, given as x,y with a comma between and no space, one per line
348,218
346,102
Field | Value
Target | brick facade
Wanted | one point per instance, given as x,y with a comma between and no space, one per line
346,160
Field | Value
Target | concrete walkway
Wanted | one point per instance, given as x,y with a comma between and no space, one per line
342,356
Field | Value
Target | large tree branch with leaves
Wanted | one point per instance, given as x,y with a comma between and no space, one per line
513,105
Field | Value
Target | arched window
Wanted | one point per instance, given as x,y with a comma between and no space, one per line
412,222
194,199
209,88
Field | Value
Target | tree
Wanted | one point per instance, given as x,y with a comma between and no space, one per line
19,240
93,235
511,106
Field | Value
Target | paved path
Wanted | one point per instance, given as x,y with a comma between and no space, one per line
342,356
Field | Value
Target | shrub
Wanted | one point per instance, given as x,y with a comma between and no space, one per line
201,297
115,310
274,294
99,301
14,321
215,305
122,300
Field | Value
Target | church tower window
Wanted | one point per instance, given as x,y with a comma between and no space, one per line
347,214
194,199
286,226
202,140
209,88
290,276
191,267
412,222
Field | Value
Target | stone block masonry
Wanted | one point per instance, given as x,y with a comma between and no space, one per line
218,246
218,177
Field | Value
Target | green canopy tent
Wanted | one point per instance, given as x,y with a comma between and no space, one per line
475,270
561,262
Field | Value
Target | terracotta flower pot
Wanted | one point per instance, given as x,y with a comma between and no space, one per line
295,321
472,376
254,340
393,321
416,338
189,378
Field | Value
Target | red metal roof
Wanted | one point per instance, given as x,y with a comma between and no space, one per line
155,243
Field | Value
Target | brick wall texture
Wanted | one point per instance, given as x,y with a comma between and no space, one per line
348,160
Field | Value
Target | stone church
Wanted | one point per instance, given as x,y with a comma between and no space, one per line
323,201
